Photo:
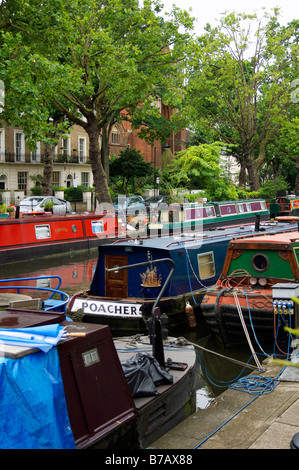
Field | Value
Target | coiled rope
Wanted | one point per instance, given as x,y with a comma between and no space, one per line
254,385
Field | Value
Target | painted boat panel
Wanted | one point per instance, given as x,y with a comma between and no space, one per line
254,266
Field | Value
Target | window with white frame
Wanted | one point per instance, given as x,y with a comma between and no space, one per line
65,146
2,145
22,180
81,149
35,154
85,178
19,146
56,178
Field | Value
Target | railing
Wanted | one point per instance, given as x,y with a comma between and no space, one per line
50,303
8,157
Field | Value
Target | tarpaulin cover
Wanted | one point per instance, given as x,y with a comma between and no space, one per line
33,412
41,337
143,374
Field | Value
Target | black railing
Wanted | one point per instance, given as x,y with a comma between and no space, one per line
9,157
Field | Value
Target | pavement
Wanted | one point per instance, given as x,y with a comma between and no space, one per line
240,420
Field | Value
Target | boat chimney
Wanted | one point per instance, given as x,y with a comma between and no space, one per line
257,222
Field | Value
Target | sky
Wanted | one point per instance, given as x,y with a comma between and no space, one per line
207,11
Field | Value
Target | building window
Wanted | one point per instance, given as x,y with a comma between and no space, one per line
65,147
2,182
35,154
19,146
85,178
115,136
22,180
81,149
56,178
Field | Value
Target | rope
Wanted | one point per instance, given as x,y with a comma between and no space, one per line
253,385
246,331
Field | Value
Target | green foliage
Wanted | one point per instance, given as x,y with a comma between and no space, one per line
74,194
129,170
269,189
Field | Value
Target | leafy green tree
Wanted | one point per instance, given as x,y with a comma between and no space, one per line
198,167
98,62
128,167
240,85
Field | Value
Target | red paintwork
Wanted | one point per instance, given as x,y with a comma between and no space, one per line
70,227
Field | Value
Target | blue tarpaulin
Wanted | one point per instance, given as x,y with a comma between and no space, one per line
41,337
33,411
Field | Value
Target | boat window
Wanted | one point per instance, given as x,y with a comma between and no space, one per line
248,205
241,208
42,231
97,226
260,262
206,265
209,211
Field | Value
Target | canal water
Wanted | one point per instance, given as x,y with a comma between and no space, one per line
217,371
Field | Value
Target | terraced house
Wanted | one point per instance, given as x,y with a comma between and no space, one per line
19,165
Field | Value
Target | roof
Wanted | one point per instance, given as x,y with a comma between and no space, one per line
264,237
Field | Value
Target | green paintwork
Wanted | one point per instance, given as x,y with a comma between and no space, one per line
278,268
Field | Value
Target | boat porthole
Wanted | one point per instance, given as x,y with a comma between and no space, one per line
260,262
74,228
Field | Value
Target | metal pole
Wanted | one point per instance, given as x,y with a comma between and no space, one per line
158,351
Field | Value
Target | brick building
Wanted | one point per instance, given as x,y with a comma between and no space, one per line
18,164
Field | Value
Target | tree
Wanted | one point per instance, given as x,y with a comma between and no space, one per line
129,166
240,84
113,57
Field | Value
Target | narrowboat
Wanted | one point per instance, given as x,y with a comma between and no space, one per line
85,391
254,293
180,218
43,234
134,276
281,206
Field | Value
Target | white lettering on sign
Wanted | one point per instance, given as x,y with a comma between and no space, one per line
102,307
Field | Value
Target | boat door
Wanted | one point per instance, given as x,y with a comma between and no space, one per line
116,283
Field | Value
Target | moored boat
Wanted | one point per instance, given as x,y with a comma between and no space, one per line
181,218
80,394
14,292
260,277
119,297
44,234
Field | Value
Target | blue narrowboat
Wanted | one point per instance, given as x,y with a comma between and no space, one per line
133,277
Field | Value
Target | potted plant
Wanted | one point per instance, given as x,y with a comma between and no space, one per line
48,206
11,210
151,282
3,210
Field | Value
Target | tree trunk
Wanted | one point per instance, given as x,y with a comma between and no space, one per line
102,194
252,172
47,181
297,176
242,174
105,151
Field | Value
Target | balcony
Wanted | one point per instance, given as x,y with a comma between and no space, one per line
9,157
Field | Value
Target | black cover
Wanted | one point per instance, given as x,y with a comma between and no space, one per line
143,374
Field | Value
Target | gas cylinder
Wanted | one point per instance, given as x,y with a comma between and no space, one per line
190,315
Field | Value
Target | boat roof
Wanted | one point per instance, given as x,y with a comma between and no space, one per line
190,238
264,237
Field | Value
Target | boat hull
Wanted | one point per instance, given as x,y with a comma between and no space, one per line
223,313
131,316
44,235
